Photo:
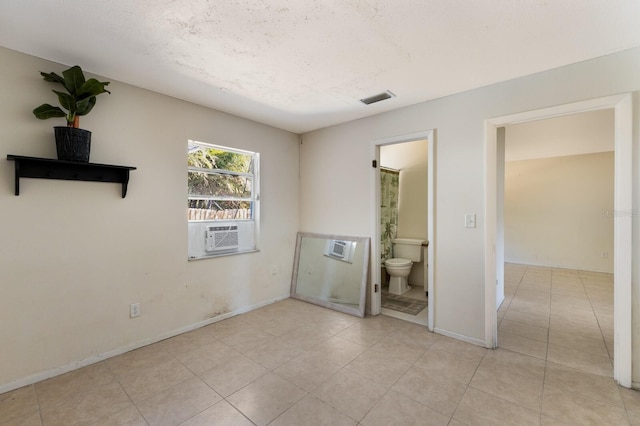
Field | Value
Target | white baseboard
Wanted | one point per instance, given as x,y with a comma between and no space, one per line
499,304
457,336
43,375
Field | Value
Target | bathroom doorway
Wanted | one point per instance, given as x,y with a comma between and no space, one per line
403,184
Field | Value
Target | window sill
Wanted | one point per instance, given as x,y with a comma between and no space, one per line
213,256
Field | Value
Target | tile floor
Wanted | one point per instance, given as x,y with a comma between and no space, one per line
416,292
292,363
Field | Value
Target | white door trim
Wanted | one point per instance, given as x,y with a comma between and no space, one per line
623,108
375,298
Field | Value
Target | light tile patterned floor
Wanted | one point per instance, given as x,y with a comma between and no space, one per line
416,292
292,363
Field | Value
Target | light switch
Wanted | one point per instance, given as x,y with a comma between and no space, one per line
470,220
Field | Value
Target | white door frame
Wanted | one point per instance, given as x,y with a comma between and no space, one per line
375,296
623,108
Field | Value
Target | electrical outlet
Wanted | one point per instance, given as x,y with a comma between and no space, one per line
134,310
275,269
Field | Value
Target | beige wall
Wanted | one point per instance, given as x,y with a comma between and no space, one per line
459,294
74,255
411,159
557,212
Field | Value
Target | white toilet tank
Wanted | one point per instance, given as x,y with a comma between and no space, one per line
408,248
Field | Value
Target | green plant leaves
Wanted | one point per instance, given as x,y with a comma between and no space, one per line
45,111
52,77
84,106
92,87
67,101
79,99
73,79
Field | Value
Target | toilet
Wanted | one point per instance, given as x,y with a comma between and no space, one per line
405,252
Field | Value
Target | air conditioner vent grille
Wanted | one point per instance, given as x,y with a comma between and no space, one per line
221,237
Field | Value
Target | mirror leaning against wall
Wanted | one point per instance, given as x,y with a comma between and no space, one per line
331,271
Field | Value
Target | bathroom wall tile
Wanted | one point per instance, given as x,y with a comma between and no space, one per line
178,403
396,409
481,409
434,390
266,398
350,393
312,411
571,408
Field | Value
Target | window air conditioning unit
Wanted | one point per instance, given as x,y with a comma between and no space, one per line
221,238
340,250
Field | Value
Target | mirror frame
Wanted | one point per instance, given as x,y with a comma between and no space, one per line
327,304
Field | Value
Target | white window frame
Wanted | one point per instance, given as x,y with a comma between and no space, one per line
248,226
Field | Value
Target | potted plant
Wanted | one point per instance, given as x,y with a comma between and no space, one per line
79,98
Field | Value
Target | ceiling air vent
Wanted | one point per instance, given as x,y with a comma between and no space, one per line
377,98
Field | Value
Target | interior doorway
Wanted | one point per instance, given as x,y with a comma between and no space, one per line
558,240
494,249
424,221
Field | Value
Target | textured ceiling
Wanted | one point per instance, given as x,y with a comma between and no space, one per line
302,65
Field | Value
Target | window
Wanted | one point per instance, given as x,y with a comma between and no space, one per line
223,200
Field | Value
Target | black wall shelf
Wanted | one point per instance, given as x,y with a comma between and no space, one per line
47,168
